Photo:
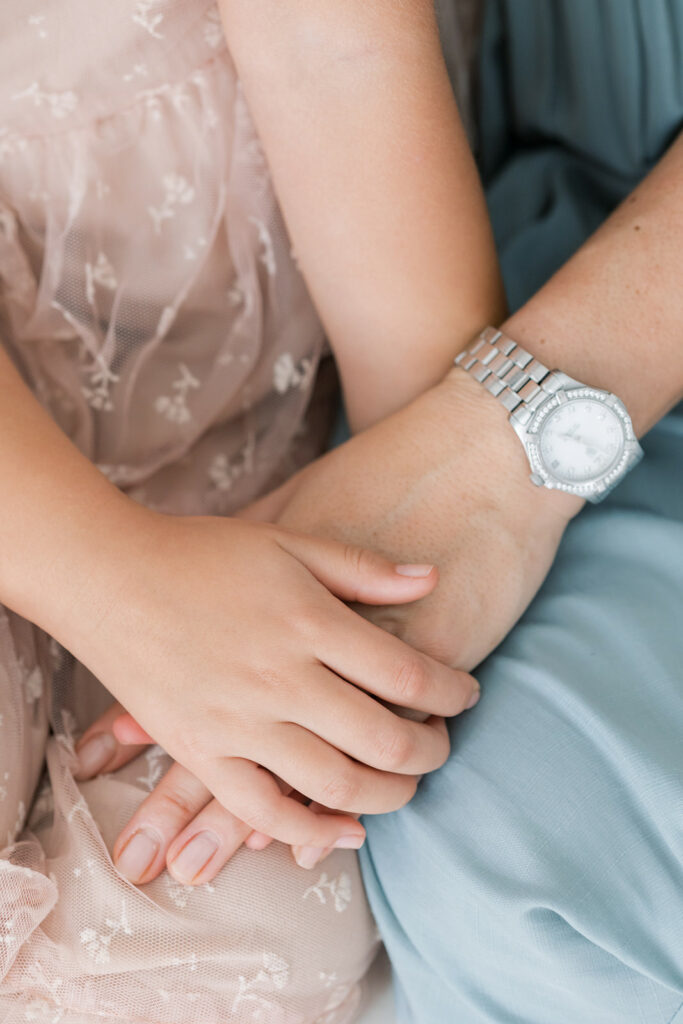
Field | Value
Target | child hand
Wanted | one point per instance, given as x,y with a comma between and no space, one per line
232,650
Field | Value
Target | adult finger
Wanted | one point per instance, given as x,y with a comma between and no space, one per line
127,729
201,849
98,749
309,856
258,841
199,852
140,850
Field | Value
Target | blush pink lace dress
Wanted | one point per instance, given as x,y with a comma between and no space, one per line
150,299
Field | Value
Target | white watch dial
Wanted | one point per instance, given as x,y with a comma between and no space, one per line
581,440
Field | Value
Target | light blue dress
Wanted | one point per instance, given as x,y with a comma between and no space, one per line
537,878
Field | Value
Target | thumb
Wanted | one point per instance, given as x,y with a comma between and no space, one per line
357,574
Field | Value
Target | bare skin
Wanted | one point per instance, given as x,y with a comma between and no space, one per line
96,571
60,567
378,186
454,479
494,538
333,84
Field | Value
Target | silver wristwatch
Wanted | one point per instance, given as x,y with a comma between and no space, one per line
577,438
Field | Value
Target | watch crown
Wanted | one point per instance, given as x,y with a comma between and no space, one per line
536,479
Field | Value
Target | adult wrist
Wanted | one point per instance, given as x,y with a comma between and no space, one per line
504,467
566,328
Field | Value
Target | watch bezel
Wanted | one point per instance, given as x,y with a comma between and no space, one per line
598,485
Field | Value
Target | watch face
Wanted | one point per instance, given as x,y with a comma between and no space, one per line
581,440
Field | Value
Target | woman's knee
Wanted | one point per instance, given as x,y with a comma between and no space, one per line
547,849
264,934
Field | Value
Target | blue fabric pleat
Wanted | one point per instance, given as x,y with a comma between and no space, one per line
578,100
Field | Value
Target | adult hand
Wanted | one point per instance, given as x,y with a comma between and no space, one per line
182,827
444,479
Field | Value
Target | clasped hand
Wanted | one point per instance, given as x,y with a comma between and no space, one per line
235,650
444,480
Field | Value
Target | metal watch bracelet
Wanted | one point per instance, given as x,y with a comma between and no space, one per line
509,373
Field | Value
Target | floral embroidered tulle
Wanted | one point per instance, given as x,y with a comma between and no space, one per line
149,297
149,293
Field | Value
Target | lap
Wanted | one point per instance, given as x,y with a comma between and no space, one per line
536,877
265,941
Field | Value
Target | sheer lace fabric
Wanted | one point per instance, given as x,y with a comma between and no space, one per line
266,941
149,297
148,289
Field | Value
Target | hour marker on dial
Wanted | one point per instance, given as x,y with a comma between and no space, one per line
581,441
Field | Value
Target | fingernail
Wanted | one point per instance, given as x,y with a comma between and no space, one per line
309,856
94,754
476,694
419,571
138,853
194,856
257,841
349,842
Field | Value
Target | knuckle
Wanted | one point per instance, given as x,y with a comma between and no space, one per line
462,692
359,560
400,794
262,817
193,742
442,749
174,803
268,680
310,620
411,681
396,748
410,790
340,792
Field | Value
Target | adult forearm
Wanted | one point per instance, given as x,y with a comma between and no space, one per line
377,183
613,315
59,516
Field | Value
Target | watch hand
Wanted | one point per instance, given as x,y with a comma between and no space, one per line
586,444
